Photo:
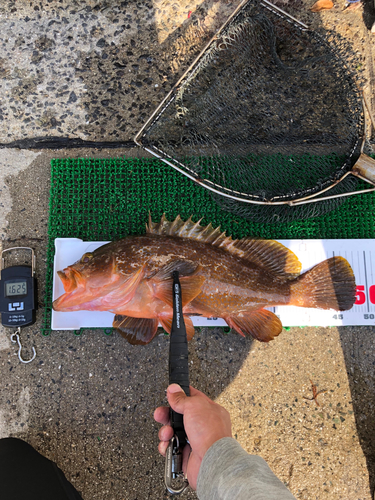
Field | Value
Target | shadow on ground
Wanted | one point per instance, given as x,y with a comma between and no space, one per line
359,354
368,13
92,401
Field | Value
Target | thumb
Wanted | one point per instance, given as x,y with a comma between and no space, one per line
176,398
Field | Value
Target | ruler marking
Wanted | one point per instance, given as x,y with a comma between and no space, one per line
360,277
361,280
372,277
367,289
355,308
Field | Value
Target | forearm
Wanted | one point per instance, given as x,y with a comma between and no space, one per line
228,472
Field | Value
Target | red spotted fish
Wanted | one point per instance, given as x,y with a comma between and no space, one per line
220,277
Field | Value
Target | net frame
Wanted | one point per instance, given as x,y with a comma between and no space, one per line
365,172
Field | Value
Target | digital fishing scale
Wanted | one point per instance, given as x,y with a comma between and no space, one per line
178,374
18,296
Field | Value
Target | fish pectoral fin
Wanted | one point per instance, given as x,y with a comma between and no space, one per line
166,322
185,267
190,330
137,331
191,287
263,325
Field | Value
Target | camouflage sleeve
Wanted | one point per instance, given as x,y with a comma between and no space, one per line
228,472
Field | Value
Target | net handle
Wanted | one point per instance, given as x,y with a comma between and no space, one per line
300,201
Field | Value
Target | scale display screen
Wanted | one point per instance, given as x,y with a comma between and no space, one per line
15,289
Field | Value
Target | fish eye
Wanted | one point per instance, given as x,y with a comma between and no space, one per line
86,258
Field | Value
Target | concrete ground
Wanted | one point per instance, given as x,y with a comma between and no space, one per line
94,71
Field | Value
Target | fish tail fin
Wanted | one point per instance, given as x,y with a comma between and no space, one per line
263,325
328,285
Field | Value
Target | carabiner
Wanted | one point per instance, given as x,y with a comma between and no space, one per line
15,338
173,467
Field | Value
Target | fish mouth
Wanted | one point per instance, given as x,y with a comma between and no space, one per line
68,278
74,286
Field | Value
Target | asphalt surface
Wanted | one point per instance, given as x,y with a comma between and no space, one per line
86,401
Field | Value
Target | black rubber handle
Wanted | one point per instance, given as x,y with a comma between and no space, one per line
178,358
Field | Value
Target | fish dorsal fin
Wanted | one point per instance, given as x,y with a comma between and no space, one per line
188,229
270,255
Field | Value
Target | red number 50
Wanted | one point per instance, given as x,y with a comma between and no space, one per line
360,295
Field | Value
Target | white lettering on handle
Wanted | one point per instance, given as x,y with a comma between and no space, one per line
177,305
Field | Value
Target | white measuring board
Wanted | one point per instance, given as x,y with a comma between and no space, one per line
359,253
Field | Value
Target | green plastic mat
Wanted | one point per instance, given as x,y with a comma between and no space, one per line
105,199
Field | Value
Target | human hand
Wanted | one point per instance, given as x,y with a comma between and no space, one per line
205,423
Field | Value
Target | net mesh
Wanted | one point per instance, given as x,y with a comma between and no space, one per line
270,112
106,199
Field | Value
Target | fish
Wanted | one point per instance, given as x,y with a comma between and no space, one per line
221,277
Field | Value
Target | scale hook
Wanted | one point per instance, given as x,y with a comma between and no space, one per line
15,338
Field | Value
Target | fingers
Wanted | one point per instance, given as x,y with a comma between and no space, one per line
165,433
162,447
202,416
193,470
161,415
176,398
185,457
196,392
